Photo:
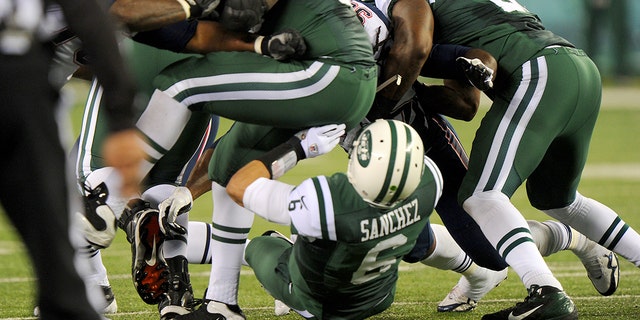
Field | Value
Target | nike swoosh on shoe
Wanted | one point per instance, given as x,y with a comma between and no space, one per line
152,260
523,315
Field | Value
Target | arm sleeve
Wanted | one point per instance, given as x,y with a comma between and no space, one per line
442,62
92,25
269,199
172,37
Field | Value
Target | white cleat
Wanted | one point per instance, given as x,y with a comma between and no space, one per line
466,294
602,268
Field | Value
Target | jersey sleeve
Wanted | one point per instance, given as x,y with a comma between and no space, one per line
311,209
173,37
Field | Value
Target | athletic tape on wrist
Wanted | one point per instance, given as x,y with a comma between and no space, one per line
186,7
283,157
257,45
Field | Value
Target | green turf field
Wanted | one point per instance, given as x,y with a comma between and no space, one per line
612,176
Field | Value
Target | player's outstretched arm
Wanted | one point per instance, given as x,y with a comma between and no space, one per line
275,163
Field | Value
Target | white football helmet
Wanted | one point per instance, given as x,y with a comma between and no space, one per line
386,162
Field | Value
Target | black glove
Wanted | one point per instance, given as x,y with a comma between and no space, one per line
242,15
284,45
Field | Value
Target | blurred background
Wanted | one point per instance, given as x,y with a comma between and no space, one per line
608,30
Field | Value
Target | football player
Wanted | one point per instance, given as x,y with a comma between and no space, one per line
352,228
333,82
465,71
545,105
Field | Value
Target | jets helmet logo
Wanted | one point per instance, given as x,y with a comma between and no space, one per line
363,151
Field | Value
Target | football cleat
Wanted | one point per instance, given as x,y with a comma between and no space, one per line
542,303
98,222
179,297
469,290
214,310
148,267
478,74
602,268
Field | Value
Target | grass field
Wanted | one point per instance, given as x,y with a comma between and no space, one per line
612,176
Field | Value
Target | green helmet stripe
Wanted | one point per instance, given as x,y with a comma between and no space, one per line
391,165
407,163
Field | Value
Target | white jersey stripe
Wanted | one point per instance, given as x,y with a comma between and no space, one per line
437,175
523,123
90,120
253,77
271,94
501,132
330,217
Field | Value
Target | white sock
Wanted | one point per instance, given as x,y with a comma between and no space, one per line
231,225
552,236
507,230
602,225
447,255
96,273
199,243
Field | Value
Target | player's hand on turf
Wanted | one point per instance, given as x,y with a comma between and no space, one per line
178,203
320,140
284,45
242,15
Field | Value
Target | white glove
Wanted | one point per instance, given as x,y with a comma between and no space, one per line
320,140
178,203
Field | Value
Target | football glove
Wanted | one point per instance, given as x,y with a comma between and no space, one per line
200,8
178,203
242,15
478,74
320,140
284,45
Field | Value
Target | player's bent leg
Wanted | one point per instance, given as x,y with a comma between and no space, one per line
265,264
594,219
600,263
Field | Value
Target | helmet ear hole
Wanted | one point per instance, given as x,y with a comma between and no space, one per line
387,162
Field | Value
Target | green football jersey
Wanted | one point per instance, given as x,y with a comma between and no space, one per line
347,253
504,28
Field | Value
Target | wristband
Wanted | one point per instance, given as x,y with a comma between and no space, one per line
186,7
257,45
283,157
